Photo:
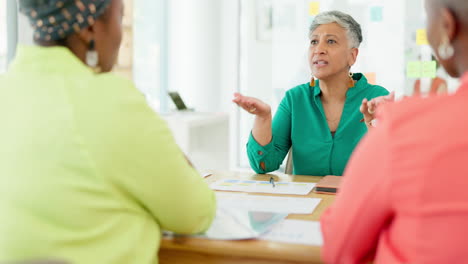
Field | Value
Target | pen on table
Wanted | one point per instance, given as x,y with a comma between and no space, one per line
272,181
204,175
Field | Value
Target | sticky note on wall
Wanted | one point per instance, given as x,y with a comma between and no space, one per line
428,69
314,8
376,13
413,69
421,37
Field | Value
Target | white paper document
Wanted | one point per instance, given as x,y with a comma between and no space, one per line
273,204
298,188
296,232
235,224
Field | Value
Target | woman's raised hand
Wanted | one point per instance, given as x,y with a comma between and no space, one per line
369,108
252,105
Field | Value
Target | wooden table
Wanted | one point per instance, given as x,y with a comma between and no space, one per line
198,251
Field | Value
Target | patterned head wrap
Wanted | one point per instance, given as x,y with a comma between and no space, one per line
57,19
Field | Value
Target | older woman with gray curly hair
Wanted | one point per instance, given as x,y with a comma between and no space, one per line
319,120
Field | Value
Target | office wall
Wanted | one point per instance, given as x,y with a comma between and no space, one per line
230,71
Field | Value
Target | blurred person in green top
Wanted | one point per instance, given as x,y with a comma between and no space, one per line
319,120
89,173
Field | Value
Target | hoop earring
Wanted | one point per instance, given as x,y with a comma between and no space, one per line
351,80
92,57
445,50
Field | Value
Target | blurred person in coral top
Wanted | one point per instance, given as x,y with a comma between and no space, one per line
404,195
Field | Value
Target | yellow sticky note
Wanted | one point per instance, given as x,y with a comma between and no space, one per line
371,77
421,37
314,8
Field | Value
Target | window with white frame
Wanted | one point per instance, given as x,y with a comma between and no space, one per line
149,51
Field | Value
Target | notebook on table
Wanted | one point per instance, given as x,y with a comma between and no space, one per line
328,185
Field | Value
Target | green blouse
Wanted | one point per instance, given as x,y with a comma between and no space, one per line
300,123
89,173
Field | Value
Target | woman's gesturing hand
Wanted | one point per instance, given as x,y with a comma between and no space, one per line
252,105
369,108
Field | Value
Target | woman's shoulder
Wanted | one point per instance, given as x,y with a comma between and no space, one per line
115,93
115,85
300,90
377,90
298,93
374,90
112,79
115,100
420,112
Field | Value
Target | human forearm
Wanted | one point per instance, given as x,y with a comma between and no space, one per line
262,131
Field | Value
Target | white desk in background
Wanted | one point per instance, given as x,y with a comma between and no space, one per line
203,137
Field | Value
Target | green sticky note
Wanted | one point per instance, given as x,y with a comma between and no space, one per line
376,13
413,69
429,69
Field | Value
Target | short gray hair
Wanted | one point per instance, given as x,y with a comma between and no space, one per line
353,29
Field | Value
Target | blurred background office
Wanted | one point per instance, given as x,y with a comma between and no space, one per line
209,49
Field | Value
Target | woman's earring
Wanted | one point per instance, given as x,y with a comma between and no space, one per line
445,50
351,80
312,82
92,57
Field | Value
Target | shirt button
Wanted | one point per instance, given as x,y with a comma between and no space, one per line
260,152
